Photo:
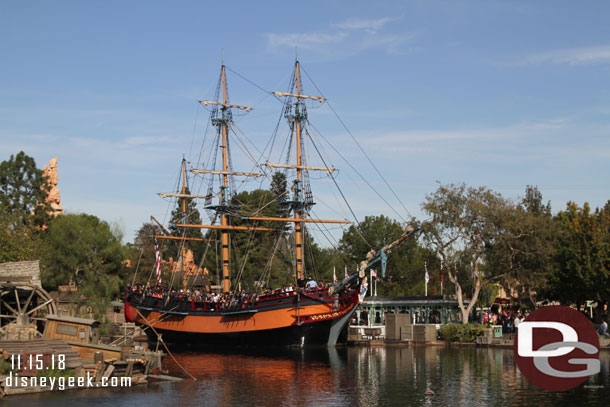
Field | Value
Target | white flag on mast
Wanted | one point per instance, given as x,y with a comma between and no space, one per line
157,262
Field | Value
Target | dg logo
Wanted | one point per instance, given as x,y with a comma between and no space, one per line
557,348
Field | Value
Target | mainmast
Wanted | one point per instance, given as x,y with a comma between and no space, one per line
298,212
224,240
296,113
183,220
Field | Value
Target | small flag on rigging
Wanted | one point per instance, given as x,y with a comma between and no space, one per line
334,275
157,262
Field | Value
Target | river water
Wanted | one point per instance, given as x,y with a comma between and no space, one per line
354,376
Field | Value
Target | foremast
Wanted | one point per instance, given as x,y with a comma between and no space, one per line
222,119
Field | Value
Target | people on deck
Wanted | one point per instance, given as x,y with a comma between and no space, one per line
603,329
206,300
311,284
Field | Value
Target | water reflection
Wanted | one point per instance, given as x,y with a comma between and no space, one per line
341,377
458,377
283,378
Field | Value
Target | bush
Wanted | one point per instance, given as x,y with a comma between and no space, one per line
5,367
461,332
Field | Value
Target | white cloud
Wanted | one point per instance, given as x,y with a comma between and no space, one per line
305,40
346,38
573,56
508,133
369,25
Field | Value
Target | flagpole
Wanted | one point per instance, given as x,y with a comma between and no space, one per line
375,285
427,277
442,277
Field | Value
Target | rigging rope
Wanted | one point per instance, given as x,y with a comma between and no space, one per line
360,147
358,172
340,191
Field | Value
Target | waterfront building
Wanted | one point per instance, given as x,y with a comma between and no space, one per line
422,310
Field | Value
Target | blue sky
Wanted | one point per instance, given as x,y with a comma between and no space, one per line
496,93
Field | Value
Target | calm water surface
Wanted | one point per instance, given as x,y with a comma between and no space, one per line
340,377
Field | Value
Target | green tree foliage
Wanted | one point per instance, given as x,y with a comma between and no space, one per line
142,252
191,216
527,248
86,250
405,268
583,255
466,226
23,190
461,332
281,194
259,255
23,206
278,186
18,242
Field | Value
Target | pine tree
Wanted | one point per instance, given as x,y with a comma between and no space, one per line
23,190
191,216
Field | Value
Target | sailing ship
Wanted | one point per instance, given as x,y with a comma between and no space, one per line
305,315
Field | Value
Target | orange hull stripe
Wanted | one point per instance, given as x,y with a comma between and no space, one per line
259,321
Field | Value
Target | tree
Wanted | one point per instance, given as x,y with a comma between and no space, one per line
142,254
23,207
259,255
23,190
281,194
405,268
583,255
278,186
466,225
190,216
528,249
18,242
86,250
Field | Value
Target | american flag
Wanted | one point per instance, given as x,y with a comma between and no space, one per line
157,262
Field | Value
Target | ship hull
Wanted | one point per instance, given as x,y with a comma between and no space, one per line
284,321
314,334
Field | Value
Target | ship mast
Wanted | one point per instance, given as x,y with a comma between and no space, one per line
222,118
298,225
183,255
297,115
224,240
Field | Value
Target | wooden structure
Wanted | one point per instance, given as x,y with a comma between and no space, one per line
82,334
27,272
72,329
23,301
